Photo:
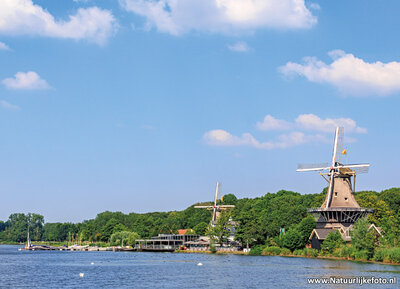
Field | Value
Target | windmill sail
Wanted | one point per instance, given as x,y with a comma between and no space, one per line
339,145
312,167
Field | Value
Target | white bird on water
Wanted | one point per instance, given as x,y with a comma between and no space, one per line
81,275
92,263
200,264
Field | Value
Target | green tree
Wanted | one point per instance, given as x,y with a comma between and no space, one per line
123,237
230,199
362,239
200,228
333,241
220,233
292,240
305,227
108,229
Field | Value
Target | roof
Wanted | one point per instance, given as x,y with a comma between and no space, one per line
182,231
321,233
377,229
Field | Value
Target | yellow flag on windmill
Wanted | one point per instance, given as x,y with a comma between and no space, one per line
344,152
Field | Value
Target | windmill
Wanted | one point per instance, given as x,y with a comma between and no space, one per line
340,206
216,209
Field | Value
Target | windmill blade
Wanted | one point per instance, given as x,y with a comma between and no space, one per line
330,191
312,167
358,168
216,194
337,150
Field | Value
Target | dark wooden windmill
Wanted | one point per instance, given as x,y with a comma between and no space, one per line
340,209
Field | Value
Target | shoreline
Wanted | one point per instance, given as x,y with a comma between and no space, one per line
246,253
291,256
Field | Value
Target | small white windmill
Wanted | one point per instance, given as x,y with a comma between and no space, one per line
216,209
340,204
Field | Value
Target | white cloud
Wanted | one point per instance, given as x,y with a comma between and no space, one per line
239,47
22,17
9,106
221,16
4,46
313,122
299,133
26,80
272,123
310,122
221,137
349,74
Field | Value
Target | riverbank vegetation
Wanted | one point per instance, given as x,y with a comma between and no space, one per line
276,223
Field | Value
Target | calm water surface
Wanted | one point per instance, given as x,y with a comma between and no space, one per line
59,269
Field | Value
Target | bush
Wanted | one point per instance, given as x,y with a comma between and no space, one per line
381,255
256,250
285,252
394,255
332,242
309,252
361,255
213,249
292,240
124,238
387,255
344,251
298,252
271,251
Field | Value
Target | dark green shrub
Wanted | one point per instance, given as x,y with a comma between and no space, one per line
380,255
298,252
285,252
271,251
213,249
332,242
394,255
256,250
361,255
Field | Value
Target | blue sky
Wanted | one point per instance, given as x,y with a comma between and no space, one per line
138,105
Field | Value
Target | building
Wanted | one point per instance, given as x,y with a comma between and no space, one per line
164,242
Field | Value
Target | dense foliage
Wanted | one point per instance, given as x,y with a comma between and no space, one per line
260,222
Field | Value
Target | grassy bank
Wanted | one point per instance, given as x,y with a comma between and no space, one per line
381,255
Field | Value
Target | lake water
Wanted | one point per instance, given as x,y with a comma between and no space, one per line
61,269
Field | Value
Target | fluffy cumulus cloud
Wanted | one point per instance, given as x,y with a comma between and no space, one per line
351,75
313,122
272,123
306,128
26,80
221,16
221,137
310,122
6,105
239,47
23,17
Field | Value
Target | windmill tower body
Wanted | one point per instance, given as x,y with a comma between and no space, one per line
340,209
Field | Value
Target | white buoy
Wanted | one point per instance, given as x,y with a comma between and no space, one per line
92,263
200,264
81,275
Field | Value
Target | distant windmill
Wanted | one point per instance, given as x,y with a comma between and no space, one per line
340,209
216,209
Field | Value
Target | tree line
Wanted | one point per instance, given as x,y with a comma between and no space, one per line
261,221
